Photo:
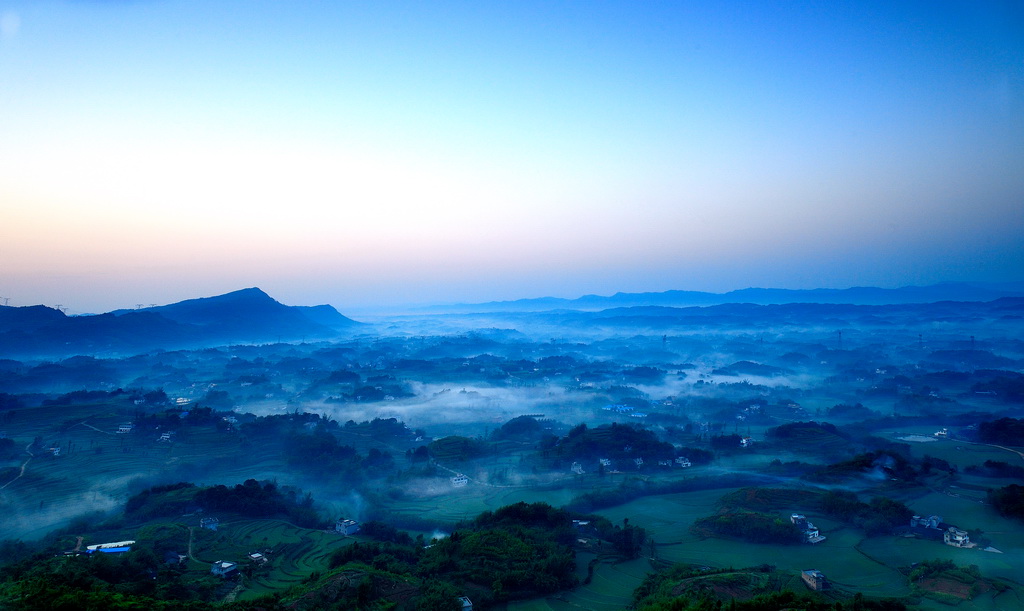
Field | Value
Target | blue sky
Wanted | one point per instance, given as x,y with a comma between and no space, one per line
399,152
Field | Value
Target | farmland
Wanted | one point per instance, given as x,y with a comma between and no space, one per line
657,432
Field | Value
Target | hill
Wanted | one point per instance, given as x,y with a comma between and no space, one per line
244,316
240,313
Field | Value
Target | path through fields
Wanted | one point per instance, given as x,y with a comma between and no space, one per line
992,445
23,465
86,424
191,531
233,594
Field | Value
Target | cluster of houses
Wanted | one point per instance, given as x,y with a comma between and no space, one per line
459,480
346,527
228,569
934,528
811,533
680,461
624,409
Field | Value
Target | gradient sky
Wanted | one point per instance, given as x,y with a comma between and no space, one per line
418,152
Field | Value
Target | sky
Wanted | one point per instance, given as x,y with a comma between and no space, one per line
377,154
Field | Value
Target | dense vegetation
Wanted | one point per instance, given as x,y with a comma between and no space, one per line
136,580
1005,431
877,517
851,412
519,551
751,526
251,499
996,468
769,499
948,583
520,428
881,466
616,442
1008,500
804,430
515,552
685,587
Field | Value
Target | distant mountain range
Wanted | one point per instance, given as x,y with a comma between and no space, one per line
948,291
252,316
244,316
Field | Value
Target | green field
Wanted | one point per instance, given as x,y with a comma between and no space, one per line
293,553
611,589
97,467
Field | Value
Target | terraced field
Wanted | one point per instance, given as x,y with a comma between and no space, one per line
294,553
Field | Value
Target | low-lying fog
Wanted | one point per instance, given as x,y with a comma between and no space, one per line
684,377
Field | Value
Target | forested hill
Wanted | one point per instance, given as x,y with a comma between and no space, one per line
244,316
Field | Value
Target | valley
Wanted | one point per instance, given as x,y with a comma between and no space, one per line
648,418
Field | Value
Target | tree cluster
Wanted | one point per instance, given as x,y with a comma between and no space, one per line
1004,431
996,468
751,526
613,441
877,517
1008,501
884,464
520,551
319,453
251,499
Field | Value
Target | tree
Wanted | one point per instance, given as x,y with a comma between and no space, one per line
438,596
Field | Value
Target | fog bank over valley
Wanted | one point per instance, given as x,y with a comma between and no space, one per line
673,425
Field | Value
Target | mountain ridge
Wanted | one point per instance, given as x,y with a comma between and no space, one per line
862,295
242,316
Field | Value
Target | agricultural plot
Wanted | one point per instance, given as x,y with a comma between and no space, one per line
667,519
958,452
1006,535
293,553
96,464
451,505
